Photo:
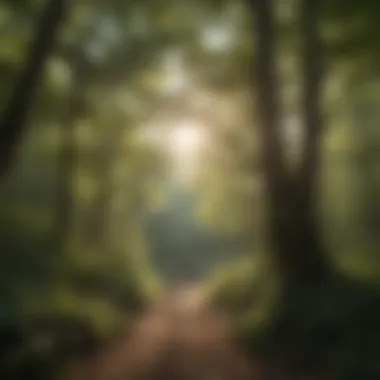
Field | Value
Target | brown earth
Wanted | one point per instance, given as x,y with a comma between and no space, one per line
181,337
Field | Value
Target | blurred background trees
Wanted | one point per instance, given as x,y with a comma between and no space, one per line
145,155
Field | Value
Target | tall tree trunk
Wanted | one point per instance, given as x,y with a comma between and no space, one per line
268,121
303,256
13,121
267,104
306,179
291,224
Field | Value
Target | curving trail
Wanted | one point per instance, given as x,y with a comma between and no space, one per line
180,338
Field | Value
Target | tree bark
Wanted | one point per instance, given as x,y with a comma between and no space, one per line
292,231
14,119
306,179
267,104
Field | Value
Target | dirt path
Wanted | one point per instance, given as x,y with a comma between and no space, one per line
180,338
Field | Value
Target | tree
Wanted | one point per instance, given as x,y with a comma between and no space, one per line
291,224
13,121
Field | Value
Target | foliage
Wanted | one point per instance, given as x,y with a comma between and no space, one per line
96,205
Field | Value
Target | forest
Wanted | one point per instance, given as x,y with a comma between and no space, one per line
226,145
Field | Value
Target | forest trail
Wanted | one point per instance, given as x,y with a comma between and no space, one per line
181,337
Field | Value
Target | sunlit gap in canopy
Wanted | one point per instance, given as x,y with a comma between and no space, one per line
186,138
177,130
182,140
185,142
